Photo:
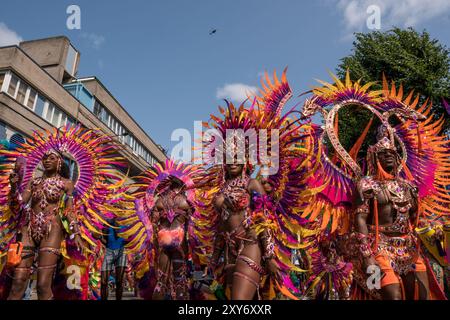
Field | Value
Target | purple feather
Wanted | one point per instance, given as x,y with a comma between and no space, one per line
446,105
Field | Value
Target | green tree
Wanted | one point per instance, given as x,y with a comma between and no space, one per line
413,59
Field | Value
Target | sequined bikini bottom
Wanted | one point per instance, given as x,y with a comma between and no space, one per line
40,224
171,238
401,251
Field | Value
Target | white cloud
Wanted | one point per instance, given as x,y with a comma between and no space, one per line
236,92
7,36
401,13
95,40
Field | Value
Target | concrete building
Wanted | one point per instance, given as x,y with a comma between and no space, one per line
39,89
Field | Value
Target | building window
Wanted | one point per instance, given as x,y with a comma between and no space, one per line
2,131
16,139
31,98
48,112
12,136
112,124
101,113
98,110
2,78
54,115
124,136
104,116
71,61
40,103
63,121
132,143
21,92
70,121
56,119
13,86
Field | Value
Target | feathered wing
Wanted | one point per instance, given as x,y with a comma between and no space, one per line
332,206
137,230
274,93
330,209
204,221
9,207
293,235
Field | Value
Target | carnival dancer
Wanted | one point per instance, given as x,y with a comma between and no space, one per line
257,233
389,225
162,231
244,250
435,241
54,213
370,205
42,229
170,218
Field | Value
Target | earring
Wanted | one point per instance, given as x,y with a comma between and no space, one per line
244,171
58,167
224,174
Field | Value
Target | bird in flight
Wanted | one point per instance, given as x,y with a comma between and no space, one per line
212,31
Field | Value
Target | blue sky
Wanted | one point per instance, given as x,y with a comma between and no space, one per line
160,62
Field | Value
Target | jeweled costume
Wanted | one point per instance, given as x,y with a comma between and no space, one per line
44,191
414,190
273,222
394,245
231,243
95,156
161,226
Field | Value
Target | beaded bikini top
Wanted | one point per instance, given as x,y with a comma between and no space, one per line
170,207
398,193
50,190
236,192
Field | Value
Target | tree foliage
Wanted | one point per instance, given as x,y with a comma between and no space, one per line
413,59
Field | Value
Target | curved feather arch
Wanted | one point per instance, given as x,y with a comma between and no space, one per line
97,159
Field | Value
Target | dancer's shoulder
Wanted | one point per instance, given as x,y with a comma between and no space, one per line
368,185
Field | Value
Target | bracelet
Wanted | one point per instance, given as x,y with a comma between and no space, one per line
212,265
72,236
73,223
268,245
360,236
365,250
73,226
363,209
